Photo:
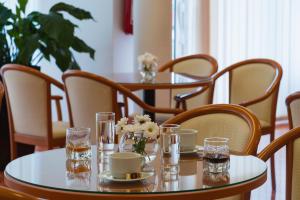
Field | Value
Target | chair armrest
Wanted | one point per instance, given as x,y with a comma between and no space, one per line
257,100
57,100
182,98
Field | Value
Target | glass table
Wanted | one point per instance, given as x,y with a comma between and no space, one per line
163,80
49,175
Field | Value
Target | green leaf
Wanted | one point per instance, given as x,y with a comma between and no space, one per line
80,46
22,5
29,45
56,27
5,15
74,11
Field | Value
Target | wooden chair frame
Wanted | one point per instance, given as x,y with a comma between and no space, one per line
115,88
288,101
182,98
1,93
49,142
285,140
272,90
237,110
10,194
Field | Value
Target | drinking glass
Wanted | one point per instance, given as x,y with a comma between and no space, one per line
78,174
78,143
170,156
105,129
216,155
168,128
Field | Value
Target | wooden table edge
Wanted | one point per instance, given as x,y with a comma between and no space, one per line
204,195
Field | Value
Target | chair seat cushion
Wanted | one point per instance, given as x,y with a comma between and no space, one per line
264,124
59,129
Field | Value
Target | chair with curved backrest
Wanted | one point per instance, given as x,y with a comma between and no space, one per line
223,120
28,97
195,65
291,140
10,194
89,93
254,83
293,108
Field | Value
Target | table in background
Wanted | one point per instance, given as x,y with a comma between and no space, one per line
44,175
163,80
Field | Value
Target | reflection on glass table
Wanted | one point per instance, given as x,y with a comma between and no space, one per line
51,170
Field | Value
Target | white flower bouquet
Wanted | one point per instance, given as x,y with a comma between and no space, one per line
147,62
141,131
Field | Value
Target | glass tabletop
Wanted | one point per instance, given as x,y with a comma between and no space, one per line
162,78
50,169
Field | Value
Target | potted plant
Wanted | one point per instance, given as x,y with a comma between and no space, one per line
28,38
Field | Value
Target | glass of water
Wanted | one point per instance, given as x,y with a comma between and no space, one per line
78,143
216,157
105,129
170,156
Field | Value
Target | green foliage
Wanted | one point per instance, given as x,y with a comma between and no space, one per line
27,39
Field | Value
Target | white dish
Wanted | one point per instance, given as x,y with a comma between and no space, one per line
144,175
187,152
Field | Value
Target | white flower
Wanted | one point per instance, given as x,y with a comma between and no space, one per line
121,124
131,128
147,61
141,119
151,129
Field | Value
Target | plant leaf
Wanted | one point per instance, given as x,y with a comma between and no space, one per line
74,11
5,15
80,46
22,5
56,27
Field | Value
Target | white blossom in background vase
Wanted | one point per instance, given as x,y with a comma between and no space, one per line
147,66
139,137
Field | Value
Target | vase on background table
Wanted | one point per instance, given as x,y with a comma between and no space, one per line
147,66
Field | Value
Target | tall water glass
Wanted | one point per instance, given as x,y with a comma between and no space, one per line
78,143
170,156
105,129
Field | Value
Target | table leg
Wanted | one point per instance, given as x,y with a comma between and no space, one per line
149,98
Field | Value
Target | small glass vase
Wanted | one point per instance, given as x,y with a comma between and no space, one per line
137,142
148,72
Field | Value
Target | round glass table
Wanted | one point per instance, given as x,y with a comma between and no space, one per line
49,175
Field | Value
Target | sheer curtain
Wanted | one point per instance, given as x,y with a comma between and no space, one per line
251,29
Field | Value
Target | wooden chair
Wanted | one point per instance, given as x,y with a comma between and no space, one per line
88,94
254,83
293,108
1,93
10,194
291,140
28,97
195,65
223,120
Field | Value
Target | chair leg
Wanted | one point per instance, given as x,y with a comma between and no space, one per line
273,174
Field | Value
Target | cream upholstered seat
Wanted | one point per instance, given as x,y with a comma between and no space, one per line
254,83
88,94
293,108
223,120
196,65
29,108
291,140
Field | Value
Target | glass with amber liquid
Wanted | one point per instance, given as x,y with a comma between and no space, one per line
216,157
78,143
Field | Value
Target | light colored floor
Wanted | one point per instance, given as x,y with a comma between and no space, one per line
264,192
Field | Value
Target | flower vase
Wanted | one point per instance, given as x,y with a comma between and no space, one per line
148,71
138,143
